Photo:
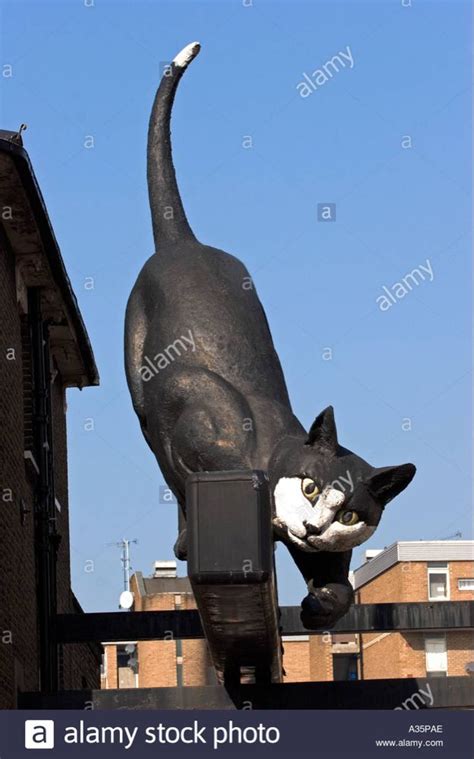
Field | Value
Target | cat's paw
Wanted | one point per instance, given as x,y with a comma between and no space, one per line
322,607
181,546
316,611
280,530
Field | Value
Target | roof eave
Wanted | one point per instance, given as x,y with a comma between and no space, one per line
10,144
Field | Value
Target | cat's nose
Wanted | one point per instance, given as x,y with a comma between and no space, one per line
312,529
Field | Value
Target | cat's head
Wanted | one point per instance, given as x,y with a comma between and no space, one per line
327,498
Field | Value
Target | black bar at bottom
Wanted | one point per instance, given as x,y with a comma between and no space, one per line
408,693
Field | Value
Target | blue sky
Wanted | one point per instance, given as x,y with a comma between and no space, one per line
387,140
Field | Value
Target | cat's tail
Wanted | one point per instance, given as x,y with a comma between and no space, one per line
169,220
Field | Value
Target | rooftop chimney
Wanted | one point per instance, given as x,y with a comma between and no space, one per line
164,569
371,553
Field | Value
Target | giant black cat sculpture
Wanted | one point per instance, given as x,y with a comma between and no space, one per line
209,391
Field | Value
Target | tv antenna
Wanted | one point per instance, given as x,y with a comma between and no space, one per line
126,597
457,534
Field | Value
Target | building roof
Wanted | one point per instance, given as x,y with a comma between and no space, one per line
28,233
150,586
413,550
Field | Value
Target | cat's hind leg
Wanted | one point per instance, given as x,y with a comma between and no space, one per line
197,421
180,548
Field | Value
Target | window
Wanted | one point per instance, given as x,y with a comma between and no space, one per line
466,583
127,665
436,656
438,581
438,585
103,664
344,667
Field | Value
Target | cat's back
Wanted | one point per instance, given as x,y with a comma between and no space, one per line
206,294
195,268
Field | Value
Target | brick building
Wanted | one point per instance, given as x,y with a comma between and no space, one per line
439,570
44,349
408,571
402,573
148,664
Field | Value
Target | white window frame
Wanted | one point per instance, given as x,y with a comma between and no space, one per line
439,570
436,638
466,579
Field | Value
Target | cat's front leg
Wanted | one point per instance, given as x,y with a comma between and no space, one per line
181,546
323,606
330,592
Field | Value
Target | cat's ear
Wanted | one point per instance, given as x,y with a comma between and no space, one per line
323,431
387,482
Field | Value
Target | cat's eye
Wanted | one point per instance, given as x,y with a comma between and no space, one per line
309,488
347,518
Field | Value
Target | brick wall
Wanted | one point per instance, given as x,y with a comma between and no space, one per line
460,645
458,570
18,646
296,662
80,663
158,660
110,666
61,493
320,652
381,655
403,655
157,663
408,581
19,665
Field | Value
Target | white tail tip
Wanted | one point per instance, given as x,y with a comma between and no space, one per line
186,55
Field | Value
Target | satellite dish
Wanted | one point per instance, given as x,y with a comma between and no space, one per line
126,599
